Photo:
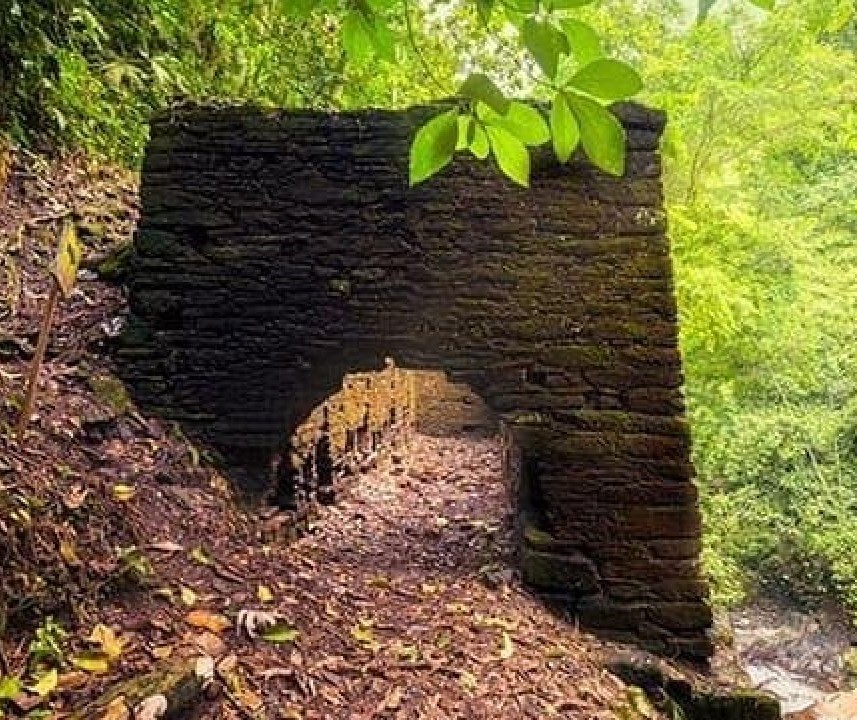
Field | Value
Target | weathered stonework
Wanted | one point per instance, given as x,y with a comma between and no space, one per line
280,252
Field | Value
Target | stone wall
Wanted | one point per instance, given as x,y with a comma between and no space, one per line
279,252
448,409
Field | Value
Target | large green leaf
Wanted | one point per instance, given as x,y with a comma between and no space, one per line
479,146
356,36
601,134
511,155
583,41
608,79
479,86
545,43
433,146
564,129
524,122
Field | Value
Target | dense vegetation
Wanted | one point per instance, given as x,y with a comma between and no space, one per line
761,171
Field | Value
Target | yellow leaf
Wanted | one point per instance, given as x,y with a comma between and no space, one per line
162,652
107,641
199,555
264,594
506,647
93,661
123,493
467,680
362,633
46,684
208,621
188,596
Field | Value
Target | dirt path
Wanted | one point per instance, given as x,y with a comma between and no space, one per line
399,603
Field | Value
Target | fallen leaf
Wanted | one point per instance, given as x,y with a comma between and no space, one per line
46,684
93,661
188,596
210,644
153,707
107,641
167,546
123,493
264,594
506,647
75,497
69,553
9,687
200,555
207,620
280,632
116,710
162,652
393,699
73,680
204,669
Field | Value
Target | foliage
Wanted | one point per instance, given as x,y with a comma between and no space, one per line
759,172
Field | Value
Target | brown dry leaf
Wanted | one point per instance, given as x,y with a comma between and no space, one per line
116,710
210,644
73,680
68,552
393,699
208,621
75,497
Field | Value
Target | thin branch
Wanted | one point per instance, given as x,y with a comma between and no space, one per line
412,41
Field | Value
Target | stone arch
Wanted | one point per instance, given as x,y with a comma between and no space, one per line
280,251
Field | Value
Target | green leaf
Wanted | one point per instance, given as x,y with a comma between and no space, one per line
465,132
511,154
583,41
764,4
433,146
480,87
279,633
484,9
545,43
601,134
524,122
10,688
564,129
522,6
608,79
568,4
480,146
356,35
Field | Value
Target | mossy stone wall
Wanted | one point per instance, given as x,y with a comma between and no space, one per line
279,252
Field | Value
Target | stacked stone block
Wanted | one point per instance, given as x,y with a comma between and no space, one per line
281,251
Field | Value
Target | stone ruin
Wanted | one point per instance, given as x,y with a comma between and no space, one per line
282,261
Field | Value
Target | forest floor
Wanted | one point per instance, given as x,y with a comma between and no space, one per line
124,549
